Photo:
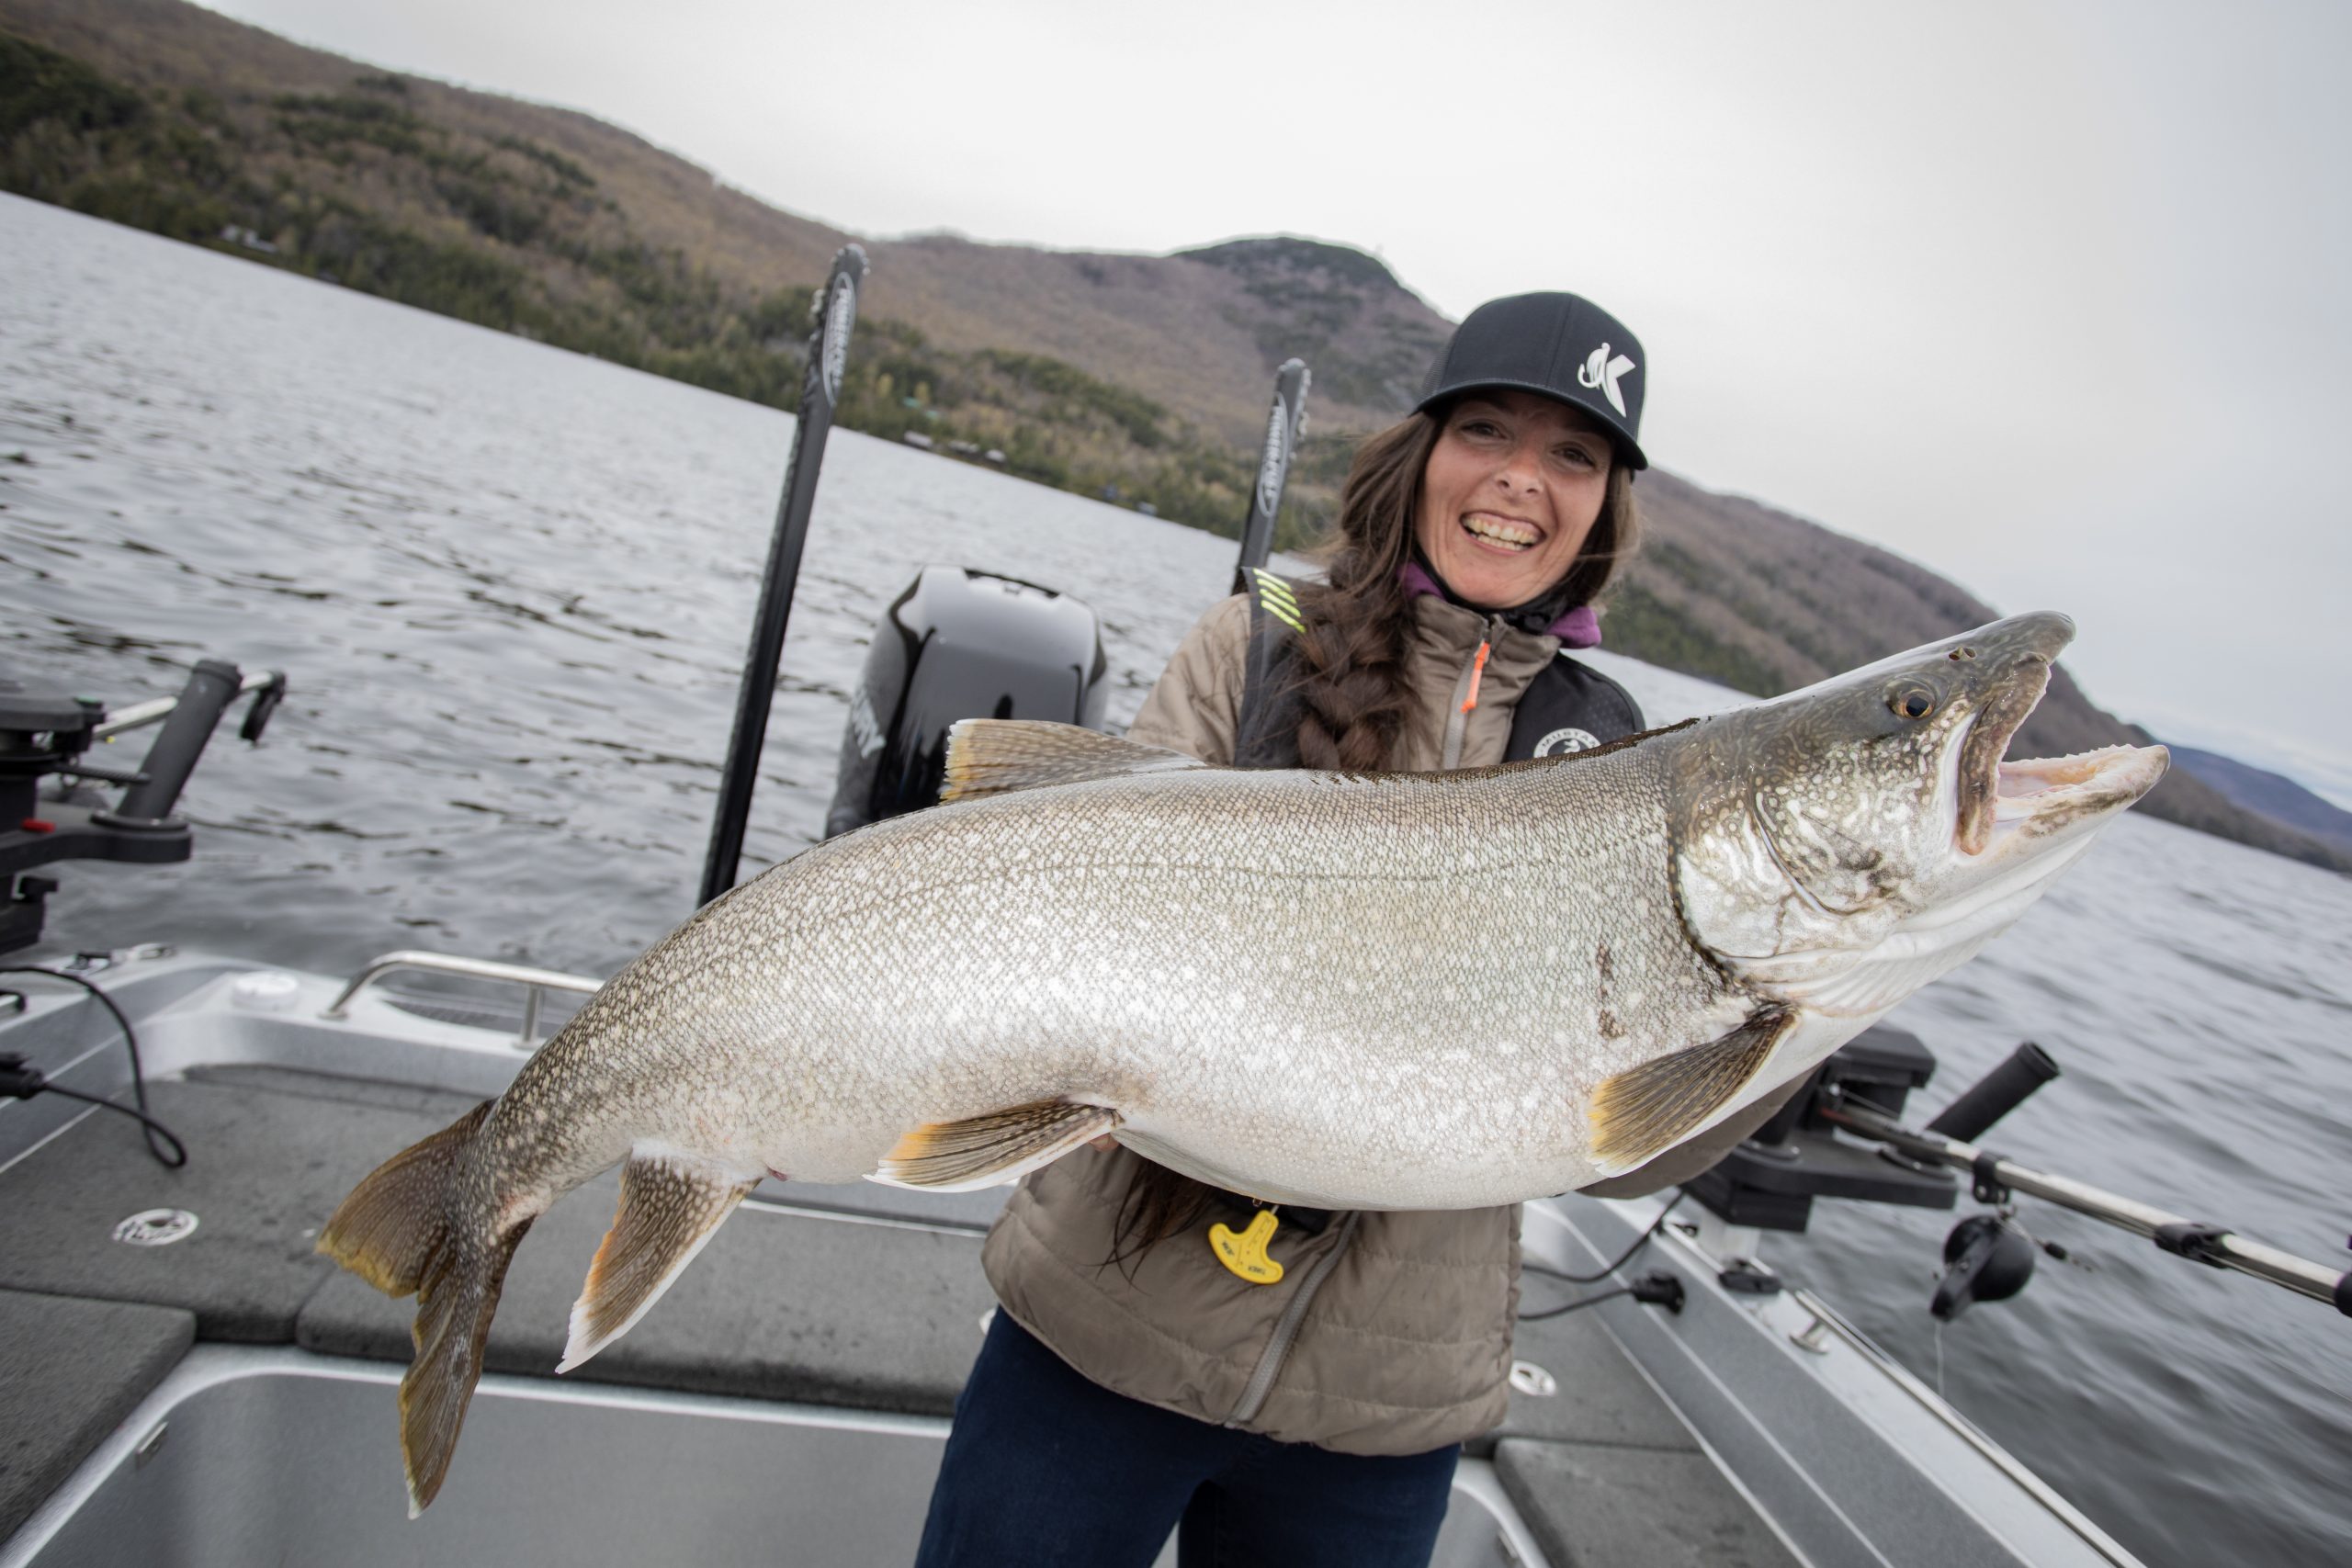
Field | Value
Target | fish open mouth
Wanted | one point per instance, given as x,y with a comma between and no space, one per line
2047,793
2000,797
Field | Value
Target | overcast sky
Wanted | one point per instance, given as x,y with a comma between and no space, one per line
2049,297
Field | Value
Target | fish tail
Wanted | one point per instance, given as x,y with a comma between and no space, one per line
388,1230
405,1230
455,1304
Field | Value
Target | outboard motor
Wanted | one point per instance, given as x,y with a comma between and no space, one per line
959,644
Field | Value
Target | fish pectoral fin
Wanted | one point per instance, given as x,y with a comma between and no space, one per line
994,756
987,1150
1643,1112
670,1204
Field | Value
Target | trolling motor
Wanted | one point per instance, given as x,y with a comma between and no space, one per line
44,731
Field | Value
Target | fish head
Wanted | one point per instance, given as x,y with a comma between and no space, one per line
1840,846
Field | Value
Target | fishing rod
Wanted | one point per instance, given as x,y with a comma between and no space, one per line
1996,1177
820,386
1286,426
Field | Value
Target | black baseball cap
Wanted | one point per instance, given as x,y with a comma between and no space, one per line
1562,346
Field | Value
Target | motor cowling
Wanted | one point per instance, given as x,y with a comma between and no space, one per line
959,644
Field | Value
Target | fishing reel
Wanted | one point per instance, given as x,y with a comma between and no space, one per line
1986,1258
1989,1257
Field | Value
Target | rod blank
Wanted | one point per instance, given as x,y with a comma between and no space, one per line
819,389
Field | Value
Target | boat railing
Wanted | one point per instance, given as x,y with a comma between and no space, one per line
536,983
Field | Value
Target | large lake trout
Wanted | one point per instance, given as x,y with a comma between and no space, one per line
1372,992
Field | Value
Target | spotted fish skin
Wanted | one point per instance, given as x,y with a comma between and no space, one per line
1420,1028
1378,992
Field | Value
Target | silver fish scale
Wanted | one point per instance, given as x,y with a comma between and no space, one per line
1392,992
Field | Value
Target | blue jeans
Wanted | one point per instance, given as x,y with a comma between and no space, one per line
1046,1468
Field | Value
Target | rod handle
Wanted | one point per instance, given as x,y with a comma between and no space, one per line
1995,1094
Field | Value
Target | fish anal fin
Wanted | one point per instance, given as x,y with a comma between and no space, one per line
1643,1112
995,756
992,1148
672,1203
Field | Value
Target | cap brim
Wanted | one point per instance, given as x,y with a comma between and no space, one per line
1628,449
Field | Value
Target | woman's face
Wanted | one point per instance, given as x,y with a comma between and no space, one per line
1511,492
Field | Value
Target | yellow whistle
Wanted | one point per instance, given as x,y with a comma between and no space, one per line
1245,1252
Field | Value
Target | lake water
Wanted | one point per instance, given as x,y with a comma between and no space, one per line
513,589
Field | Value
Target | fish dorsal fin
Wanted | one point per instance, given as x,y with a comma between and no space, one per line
996,1146
1641,1112
993,756
671,1203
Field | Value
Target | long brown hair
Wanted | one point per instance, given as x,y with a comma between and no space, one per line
1354,690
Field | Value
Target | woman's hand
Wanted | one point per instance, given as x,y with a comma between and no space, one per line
1106,1143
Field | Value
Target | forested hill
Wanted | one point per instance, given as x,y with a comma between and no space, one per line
1150,373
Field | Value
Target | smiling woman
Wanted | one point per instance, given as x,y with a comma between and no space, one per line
1509,494
1279,1384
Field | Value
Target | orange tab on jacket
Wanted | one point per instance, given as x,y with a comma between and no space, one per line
1477,669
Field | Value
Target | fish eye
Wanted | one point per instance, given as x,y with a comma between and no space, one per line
1913,702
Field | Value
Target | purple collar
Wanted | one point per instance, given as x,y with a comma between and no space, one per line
1577,628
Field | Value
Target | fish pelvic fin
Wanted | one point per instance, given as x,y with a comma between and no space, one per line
996,756
454,1301
389,1229
1641,1112
672,1204
993,1149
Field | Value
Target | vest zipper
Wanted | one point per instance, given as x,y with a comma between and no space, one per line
1465,694
1286,1328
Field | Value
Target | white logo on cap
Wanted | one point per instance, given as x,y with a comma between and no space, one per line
1600,372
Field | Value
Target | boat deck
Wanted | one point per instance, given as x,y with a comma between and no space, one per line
860,1299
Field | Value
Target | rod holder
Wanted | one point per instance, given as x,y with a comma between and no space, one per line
211,686
1995,1094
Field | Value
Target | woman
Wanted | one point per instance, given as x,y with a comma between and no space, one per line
1140,1373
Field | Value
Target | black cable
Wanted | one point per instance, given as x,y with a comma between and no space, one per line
1576,1305
1623,1258
154,1128
148,1125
